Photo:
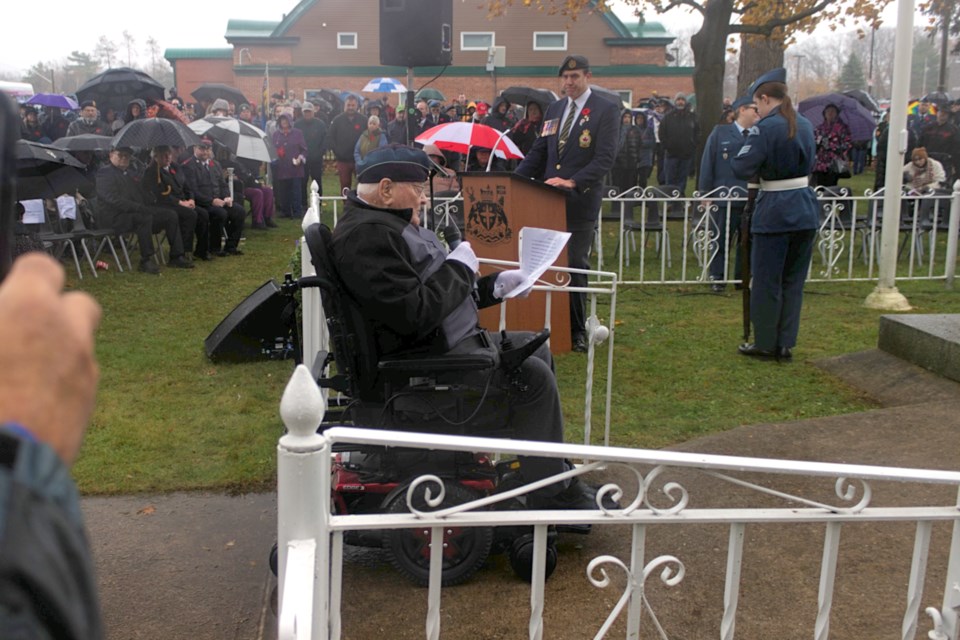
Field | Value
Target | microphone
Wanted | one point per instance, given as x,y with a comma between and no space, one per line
451,233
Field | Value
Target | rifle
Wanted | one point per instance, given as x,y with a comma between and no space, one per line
753,187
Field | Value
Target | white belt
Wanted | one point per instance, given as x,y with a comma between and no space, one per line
785,185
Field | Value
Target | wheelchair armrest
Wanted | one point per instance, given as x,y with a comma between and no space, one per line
438,364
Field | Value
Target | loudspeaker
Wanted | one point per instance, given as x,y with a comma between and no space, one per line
255,330
416,33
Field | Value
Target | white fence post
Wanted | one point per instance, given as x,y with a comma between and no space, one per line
313,329
952,230
303,509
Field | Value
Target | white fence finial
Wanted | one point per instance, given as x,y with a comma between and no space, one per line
302,408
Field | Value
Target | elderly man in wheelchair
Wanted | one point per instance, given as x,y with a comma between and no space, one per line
402,316
419,302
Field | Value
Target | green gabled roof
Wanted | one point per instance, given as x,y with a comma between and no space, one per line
250,28
649,30
291,18
615,23
203,54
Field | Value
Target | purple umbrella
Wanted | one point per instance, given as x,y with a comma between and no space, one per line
54,100
857,117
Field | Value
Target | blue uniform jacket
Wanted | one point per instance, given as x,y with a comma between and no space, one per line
723,144
771,155
587,157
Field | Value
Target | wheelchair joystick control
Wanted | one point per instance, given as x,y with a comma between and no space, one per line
512,357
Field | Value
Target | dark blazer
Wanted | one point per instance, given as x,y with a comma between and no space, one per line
587,157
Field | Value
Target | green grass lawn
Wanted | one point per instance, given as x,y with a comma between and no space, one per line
169,419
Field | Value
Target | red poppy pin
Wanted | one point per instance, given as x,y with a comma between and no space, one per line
281,152
356,127
585,112
584,116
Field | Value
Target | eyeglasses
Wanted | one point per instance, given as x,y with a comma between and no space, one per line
419,187
754,107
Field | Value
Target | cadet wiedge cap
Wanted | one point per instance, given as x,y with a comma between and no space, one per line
742,101
774,75
398,162
573,63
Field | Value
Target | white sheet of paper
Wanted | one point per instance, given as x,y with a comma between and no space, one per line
32,211
539,249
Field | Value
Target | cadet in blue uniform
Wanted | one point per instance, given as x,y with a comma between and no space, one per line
575,150
723,144
781,151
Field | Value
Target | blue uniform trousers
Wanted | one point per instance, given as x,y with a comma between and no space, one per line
779,264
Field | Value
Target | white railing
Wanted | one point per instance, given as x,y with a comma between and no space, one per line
601,285
662,238
683,236
311,537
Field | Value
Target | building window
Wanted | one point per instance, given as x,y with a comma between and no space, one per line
347,40
626,96
549,40
476,40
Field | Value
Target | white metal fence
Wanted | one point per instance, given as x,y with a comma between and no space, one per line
659,237
311,537
656,236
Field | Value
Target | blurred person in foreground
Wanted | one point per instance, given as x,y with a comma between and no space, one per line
48,383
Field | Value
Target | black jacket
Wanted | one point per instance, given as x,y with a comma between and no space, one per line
204,180
403,305
680,133
118,192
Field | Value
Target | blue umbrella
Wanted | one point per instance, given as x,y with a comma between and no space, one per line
54,100
857,117
385,85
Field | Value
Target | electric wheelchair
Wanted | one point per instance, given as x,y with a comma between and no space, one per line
424,393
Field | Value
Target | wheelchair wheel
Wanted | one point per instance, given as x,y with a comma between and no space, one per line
521,557
465,548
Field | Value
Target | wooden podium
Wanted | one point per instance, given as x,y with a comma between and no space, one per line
496,206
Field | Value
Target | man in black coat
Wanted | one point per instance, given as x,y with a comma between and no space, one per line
344,132
204,180
122,208
576,148
315,133
679,135
163,188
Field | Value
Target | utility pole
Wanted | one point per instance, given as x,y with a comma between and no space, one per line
873,36
944,46
798,58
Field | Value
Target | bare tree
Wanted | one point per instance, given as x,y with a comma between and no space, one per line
129,42
105,51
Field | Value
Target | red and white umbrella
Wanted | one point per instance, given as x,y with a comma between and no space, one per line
460,137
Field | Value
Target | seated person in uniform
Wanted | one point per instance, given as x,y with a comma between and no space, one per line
417,297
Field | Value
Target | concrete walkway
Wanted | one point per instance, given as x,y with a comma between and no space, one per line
195,565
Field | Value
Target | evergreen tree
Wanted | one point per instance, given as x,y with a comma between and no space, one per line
851,76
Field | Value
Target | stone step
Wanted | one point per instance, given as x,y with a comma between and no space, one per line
931,341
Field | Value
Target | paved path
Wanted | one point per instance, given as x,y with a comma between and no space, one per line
194,565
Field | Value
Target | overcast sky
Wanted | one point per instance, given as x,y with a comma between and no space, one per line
33,34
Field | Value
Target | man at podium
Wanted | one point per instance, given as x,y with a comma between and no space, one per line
575,150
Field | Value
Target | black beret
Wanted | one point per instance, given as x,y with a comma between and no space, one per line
395,161
572,63
87,103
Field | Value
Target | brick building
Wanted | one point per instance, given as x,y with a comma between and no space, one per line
332,44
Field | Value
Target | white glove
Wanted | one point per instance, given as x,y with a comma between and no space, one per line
465,255
507,281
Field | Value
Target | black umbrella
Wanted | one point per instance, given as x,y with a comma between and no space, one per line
34,154
525,95
936,97
210,91
865,99
147,133
46,172
84,142
115,88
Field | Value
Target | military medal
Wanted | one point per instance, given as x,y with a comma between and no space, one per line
585,139
550,127
724,155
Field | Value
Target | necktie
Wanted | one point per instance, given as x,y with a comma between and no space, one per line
746,133
567,125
